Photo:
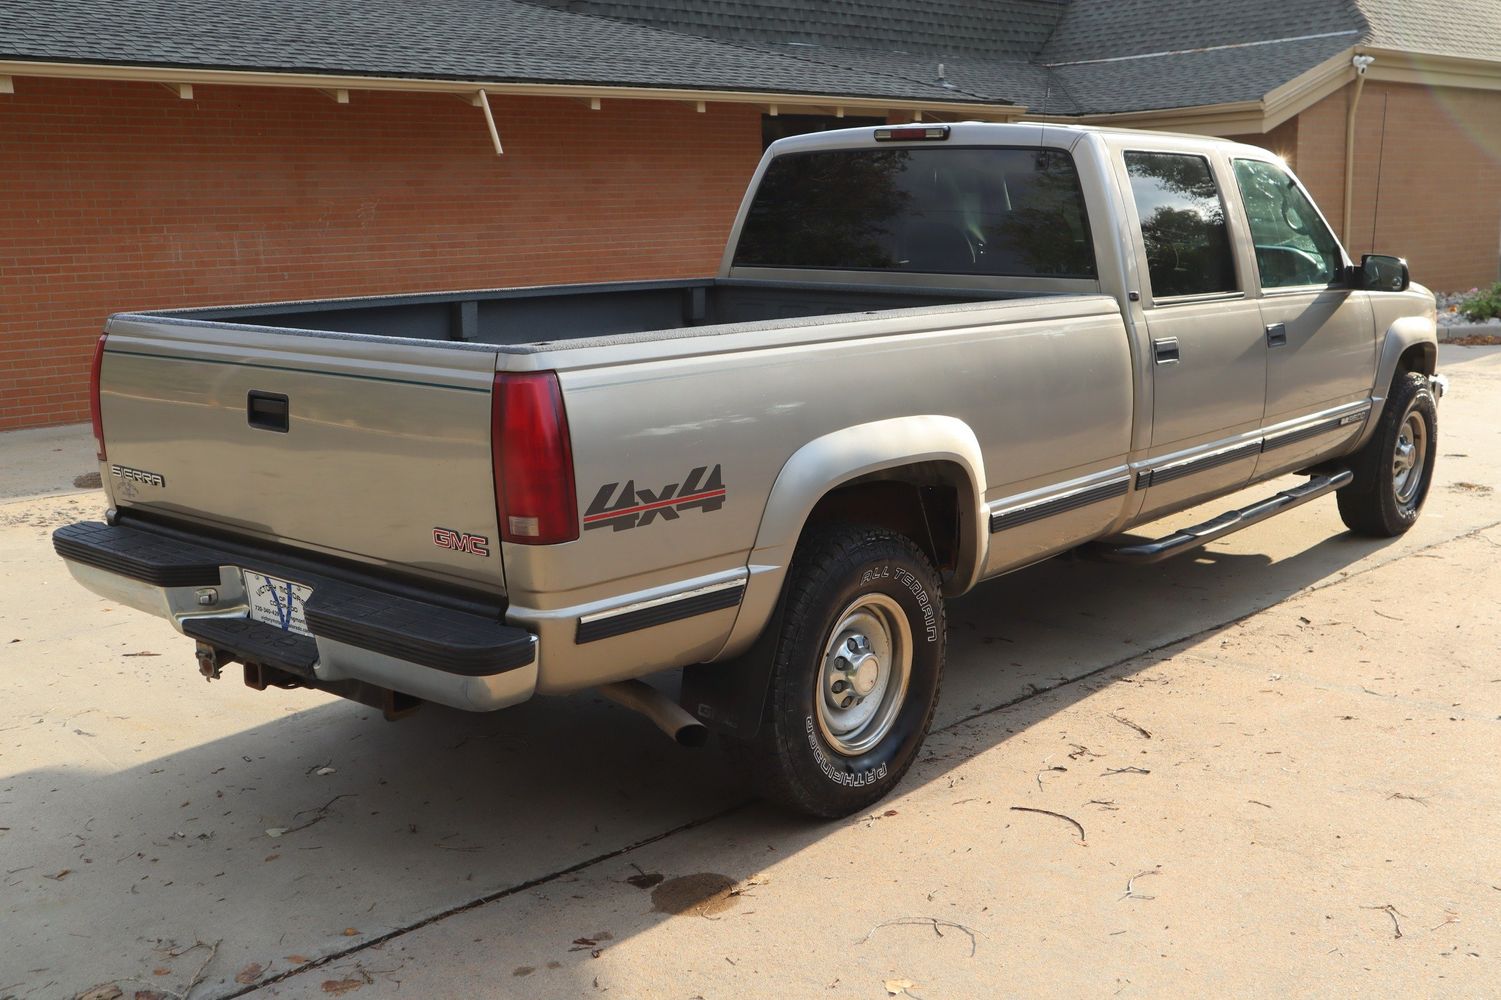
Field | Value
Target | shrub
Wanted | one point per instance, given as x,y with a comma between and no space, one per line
1482,304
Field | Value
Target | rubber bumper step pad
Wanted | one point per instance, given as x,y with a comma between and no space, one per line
256,642
445,639
140,555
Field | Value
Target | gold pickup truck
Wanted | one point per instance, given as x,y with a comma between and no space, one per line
933,354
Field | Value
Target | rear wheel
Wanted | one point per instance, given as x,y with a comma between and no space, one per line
1395,468
856,672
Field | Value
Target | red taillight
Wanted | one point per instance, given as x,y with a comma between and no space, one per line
94,414
533,459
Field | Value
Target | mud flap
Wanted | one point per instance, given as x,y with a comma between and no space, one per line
729,697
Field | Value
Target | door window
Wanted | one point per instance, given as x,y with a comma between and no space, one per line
1293,246
1182,224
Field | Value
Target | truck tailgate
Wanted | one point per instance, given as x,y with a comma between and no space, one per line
366,448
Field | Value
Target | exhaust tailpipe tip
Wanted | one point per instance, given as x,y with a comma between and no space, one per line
668,716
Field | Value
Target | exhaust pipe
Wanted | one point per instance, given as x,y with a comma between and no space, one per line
668,715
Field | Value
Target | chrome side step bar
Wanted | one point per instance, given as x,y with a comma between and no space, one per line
1144,553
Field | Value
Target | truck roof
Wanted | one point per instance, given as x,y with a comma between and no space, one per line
997,133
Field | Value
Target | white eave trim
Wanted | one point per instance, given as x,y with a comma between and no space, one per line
1430,69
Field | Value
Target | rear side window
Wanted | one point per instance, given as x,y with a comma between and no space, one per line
1293,246
1182,224
956,210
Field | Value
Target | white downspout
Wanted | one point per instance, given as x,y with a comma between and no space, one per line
1361,64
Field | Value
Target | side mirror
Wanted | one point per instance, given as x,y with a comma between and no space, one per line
1381,273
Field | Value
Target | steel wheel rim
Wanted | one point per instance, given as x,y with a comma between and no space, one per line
1410,457
863,674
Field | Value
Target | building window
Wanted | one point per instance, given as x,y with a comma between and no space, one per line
774,127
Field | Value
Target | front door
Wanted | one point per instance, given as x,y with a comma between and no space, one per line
1208,347
1321,359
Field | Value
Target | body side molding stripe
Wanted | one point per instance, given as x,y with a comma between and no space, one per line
1348,420
634,617
1036,511
1168,473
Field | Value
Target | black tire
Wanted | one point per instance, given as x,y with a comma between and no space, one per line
1373,504
841,570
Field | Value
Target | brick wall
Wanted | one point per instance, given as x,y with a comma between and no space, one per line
120,196
1434,153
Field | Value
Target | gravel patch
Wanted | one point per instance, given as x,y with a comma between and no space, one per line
1457,325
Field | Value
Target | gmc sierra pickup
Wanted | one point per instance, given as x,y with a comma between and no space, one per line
933,354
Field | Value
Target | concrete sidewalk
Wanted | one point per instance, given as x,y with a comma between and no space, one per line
136,800
47,461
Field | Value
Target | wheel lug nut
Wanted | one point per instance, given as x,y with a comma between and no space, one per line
853,645
839,686
849,700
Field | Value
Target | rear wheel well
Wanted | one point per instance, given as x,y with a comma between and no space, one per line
919,501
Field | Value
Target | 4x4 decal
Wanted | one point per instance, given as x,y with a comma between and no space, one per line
621,507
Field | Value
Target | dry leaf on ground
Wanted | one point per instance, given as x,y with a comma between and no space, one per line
104,991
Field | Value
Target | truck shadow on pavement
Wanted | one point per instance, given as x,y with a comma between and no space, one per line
326,829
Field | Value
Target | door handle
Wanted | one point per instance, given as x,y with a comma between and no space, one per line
1276,335
1165,351
267,411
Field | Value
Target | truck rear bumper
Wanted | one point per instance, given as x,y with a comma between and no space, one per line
359,633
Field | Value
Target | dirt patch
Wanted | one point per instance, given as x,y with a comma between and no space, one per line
1476,340
1478,488
49,512
88,481
703,894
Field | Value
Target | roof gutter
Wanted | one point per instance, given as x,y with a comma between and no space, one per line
785,101
1432,69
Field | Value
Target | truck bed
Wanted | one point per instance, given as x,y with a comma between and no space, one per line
549,314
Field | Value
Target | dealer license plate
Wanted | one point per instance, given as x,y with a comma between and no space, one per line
278,602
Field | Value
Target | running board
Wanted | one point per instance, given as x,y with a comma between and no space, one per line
1144,553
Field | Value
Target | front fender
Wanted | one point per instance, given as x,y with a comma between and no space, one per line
828,462
1402,334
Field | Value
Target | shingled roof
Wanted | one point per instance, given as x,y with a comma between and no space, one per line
1133,55
1470,28
497,40
1055,57
1015,29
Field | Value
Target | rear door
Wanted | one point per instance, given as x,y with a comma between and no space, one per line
366,448
1321,358
1208,348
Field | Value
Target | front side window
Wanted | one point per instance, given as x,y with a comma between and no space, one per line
1293,246
956,210
1182,224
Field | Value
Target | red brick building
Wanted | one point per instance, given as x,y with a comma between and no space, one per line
219,153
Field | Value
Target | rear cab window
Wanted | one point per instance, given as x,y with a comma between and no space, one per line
1183,226
995,211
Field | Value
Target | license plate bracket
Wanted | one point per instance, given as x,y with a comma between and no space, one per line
277,602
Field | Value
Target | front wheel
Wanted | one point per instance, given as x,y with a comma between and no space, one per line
856,672
1395,468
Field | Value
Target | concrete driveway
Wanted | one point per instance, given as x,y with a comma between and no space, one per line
1271,767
